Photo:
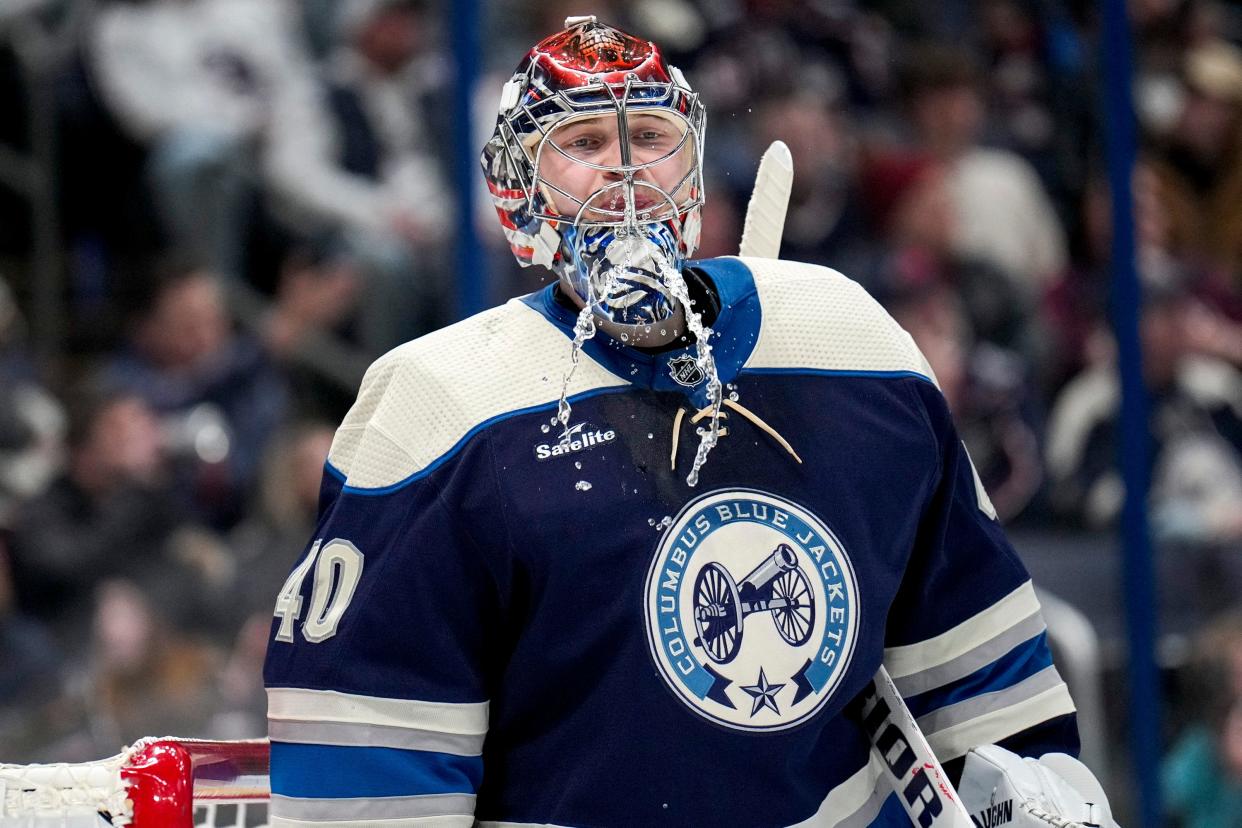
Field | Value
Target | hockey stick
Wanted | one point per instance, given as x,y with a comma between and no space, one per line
913,770
765,214
910,764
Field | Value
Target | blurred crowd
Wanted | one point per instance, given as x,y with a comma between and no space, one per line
245,190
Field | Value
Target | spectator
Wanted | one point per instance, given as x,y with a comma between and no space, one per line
109,515
142,677
1196,433
219,394
825,223
199,83
1200,163
1202,773
1001,212
364,168
910,206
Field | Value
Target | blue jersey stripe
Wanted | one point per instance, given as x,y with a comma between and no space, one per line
828,372
329,771
1023,661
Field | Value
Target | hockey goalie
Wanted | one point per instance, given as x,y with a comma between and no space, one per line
633,549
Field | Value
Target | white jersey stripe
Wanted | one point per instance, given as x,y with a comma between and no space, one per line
398,822
295,705
1009,611
851,798
356,810
976,659
996,725
343,734
984,703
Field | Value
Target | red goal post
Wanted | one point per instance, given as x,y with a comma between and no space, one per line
157,783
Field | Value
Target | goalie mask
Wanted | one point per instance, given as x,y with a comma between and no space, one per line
595,168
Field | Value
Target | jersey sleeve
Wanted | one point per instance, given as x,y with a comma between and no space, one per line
966,643
378,670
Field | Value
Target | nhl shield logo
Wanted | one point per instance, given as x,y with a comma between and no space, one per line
752,610
685,371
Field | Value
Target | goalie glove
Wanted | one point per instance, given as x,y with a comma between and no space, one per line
1003,790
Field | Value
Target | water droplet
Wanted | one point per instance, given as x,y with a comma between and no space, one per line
625,337
663,332
577,464
634,370
545,428
582,486
584,329
651,521
733,395
703,358
650,436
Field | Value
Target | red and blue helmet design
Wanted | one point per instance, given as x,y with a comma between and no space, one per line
587,70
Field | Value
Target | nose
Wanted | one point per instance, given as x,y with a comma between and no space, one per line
612,158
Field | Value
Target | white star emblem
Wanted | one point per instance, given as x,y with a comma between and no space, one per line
764,694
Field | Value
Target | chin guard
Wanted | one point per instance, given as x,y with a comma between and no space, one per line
621,272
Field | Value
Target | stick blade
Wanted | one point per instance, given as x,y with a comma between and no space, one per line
765,214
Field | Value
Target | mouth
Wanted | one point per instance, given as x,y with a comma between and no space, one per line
615,202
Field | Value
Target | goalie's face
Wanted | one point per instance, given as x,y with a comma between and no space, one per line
609,169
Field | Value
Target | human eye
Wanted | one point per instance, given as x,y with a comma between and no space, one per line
582,142
653,137
648,135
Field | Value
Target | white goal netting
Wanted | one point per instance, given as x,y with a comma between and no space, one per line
156,783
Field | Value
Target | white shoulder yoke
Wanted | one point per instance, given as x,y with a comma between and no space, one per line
818,320
420,401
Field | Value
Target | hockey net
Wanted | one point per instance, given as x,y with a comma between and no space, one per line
156,783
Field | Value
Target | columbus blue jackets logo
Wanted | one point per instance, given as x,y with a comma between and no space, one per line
752,610
685,371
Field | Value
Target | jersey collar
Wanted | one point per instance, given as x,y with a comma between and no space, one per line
734,334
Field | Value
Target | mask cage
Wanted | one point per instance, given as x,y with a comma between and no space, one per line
537,118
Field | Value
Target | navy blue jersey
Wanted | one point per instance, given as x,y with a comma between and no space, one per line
505,620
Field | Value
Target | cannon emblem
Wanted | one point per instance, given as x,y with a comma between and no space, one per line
745,564
777,586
